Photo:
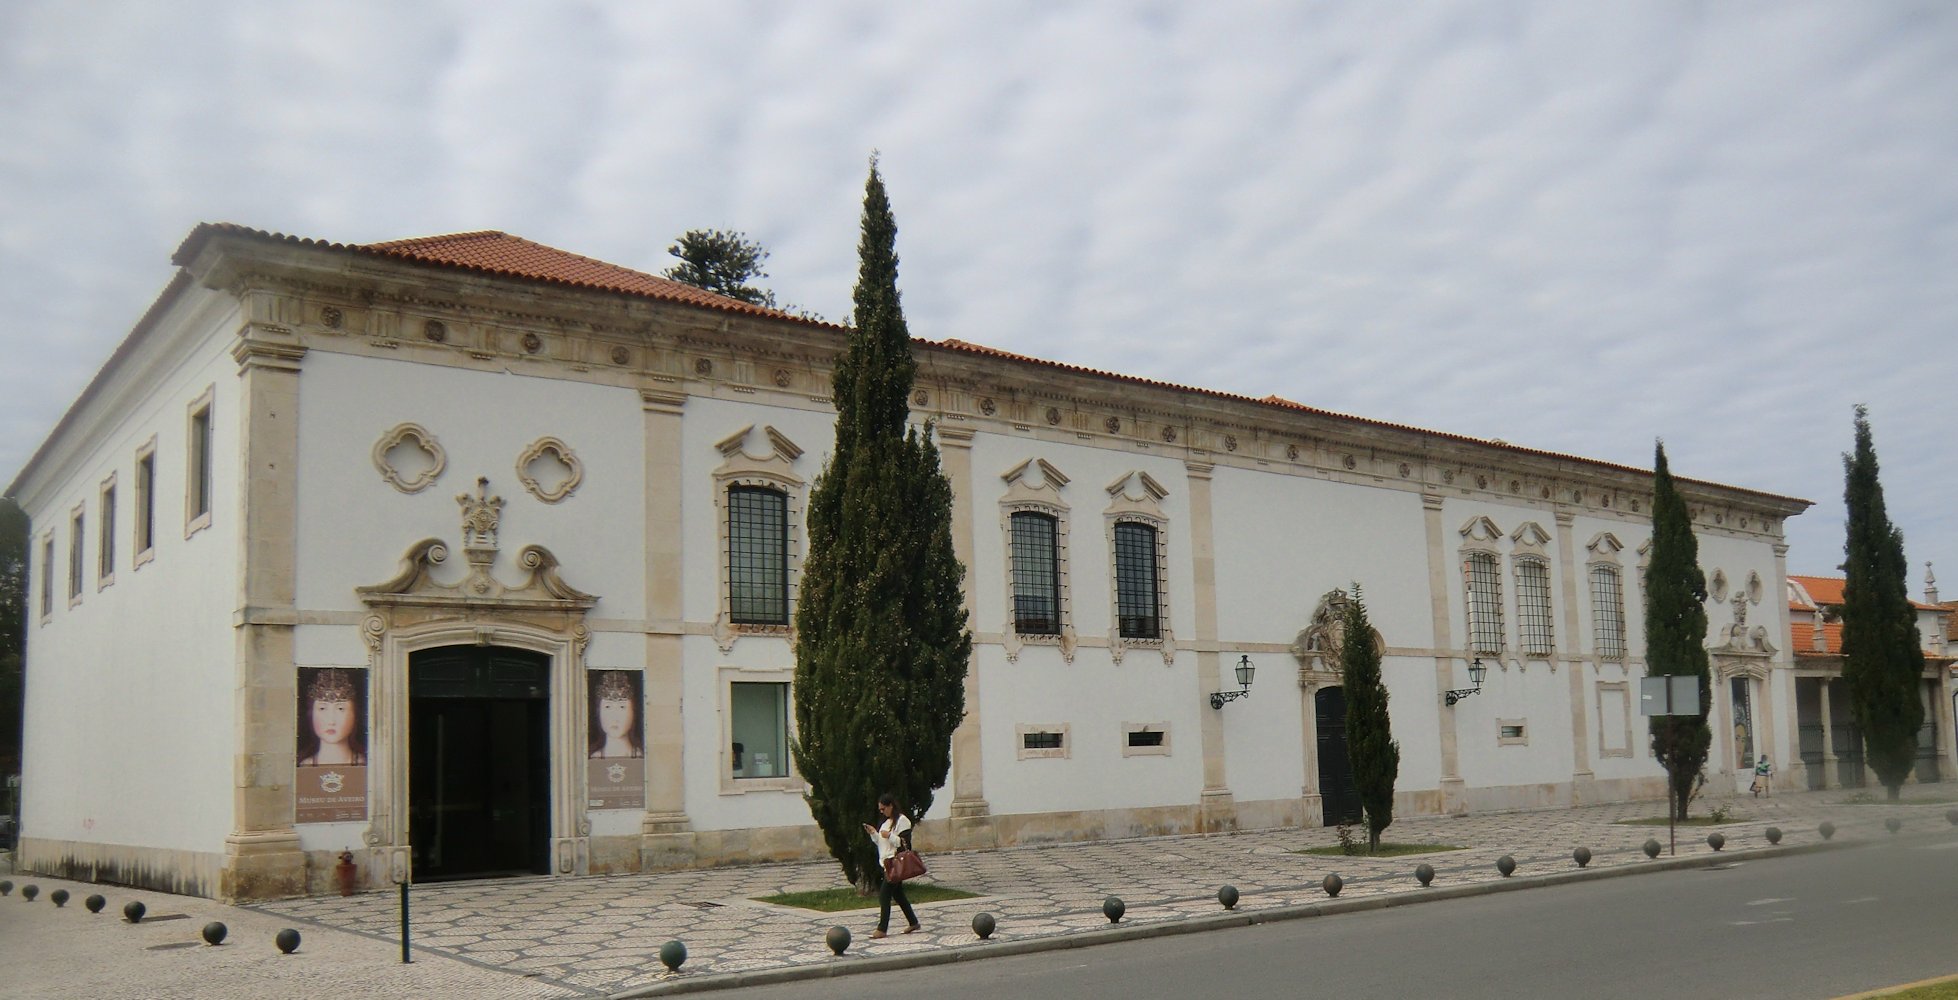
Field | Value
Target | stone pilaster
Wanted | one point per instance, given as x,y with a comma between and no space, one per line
666,832
971,814
1582,777
1440,582
262,859
1216,809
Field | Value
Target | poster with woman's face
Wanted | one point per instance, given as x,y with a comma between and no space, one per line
615,773
330,776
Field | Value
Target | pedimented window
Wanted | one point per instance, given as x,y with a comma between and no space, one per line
409,458
549,470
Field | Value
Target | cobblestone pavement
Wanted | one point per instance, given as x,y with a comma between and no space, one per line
598,936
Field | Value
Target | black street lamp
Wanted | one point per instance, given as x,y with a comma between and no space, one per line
1244,672
1476,673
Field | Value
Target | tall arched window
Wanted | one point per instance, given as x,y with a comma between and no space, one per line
1137,589
757,556
1533,623
1607,612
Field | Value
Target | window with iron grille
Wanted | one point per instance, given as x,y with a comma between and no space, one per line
145,514
1036,574
757,556
1136,592
1533,623
47,576
75,528
199,495
105,542
1607,613
1484,585
1041,741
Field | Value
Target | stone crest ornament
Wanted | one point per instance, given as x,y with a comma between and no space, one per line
330,317
480,516
782,378
1350,462
620,355
1318,645
1169,434
435,330
1230,442
920,398
703,366
532,343
1114,425
1292,452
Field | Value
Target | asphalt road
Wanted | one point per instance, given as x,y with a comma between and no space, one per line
1813,925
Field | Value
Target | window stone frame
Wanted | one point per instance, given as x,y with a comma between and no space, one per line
1146,509
1062,752
1034,487
773,470
200,462
725,678
1481,537
1623,723
142,542
1529,545
1162,750
105,534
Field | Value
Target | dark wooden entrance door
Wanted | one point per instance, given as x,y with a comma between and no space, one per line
1339,799
479,762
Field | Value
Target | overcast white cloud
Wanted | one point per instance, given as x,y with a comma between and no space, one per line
1570,226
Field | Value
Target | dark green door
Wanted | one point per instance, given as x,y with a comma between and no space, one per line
479,790
1339,798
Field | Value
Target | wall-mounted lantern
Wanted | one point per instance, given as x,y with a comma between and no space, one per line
1244,672
1476,673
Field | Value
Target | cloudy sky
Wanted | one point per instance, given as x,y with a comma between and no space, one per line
1575,227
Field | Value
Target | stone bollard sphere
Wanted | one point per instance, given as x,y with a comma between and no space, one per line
59,897
133,911
1332,885
673,954
1893,824
1951,815
95,903
1228,897
1774,835
287,941
214,933
1715,840
838,939
6,888
1582,856
1113,908
983,925
29,891
1651,848
1506,865
1424,873
1827,829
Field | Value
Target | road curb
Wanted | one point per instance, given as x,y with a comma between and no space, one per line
1116,933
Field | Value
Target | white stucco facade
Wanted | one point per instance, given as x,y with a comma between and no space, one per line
366,403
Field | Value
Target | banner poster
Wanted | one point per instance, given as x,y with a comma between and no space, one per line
330,782
615,771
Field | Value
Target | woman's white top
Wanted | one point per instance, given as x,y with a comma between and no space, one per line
890,837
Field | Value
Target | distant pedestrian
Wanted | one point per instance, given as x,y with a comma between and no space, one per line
1763,774
891,836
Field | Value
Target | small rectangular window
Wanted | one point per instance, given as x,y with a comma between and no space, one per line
1146,738
47,577
1136,586
76,526
198,499
144,519
759,722
105,541
1036,574
757,556
1512,732
1042,739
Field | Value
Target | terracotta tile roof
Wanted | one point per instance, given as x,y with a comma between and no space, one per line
498,253
1801,638
1828,590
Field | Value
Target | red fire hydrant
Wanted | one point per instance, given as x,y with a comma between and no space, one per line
345,871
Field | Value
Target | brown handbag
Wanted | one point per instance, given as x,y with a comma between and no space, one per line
904,865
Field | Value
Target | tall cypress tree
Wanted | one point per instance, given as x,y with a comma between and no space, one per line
1370,744
881,644
1881,660
1675,632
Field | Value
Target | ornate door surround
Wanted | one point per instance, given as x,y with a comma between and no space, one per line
414,611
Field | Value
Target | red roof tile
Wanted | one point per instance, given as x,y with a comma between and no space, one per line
1828,590
492,252
1801,638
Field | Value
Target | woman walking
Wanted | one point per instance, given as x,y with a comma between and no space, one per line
891,835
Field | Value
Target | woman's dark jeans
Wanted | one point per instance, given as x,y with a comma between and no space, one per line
893,890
